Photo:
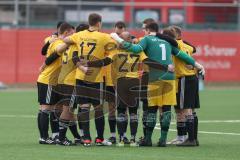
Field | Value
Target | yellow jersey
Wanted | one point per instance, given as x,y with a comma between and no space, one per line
50,74
108,77
125,64
180,66
68,69
93,45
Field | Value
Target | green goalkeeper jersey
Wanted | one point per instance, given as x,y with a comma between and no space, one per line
160,51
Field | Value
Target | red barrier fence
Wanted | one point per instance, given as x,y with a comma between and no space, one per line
20,51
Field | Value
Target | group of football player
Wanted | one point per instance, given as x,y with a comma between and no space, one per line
86,71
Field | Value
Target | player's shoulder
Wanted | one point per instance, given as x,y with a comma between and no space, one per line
79,33
56,43
140,38
47,39
103,35
184,45
59,41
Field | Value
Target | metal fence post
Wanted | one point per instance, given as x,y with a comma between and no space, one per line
27,14
16,11
185,14
79,7
132,4
238,14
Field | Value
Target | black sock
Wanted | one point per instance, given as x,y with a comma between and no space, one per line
121,121
125,123
195,126
54,123
151,122
133,121
181,129
190,127
63,125
100,124
144,122
79,122
44,122
39,123
112,124
99,121
144,116
84,120
74,131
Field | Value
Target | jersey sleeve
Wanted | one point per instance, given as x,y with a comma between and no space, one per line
142,56
74,38
47,39
189,44
56,45
109,44
74,48
136,48
111,54
191,49
183,56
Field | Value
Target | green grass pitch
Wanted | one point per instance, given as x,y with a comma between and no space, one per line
219,137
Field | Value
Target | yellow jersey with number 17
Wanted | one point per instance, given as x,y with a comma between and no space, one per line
50,74
93,45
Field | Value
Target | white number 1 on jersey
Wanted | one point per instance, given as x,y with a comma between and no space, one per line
163,47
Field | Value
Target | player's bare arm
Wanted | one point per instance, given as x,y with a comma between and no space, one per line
63,47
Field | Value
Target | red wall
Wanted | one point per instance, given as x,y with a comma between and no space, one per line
21,54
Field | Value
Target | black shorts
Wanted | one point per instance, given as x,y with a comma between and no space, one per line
128,92
47,94
110,94
188,93
67,95
144,87
89,92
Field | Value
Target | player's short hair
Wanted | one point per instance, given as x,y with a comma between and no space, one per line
120,25
82,27
148,21
59,24
169,32
94,18
152,27
65,27
178,30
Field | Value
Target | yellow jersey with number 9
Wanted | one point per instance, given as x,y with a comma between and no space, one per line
93,45
50,74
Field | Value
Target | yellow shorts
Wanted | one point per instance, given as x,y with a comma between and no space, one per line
162,92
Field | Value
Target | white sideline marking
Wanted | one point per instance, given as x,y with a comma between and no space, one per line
17,116
206,132
203,121
157,125
216,121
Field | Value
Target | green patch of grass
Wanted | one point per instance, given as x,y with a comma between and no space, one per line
19,134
